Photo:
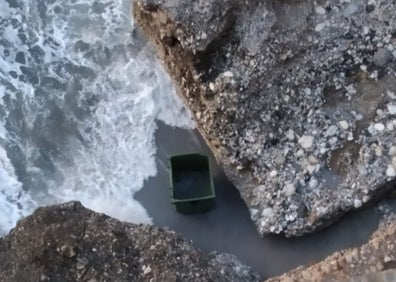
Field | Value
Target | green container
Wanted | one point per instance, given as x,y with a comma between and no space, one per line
191,183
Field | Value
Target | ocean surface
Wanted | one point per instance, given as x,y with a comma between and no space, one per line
80,94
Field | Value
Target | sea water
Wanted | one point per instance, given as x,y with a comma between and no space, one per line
79,96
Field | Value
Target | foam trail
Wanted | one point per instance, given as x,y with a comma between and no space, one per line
79,100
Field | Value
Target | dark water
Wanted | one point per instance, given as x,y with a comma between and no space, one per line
228,228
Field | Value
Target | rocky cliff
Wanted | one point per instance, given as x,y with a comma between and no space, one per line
297,99
373,261
71,243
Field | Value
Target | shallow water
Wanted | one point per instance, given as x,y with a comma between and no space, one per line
228,228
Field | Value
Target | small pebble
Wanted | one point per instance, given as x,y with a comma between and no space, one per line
382,57
390,171
228,74
344,124
313,183
392,109
320,10
289,189
392,151
331,131
306,141
379,126
319,27
357,203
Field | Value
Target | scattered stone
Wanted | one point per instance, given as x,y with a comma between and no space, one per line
289,189
297,70
379,126
392,109
382,57
331,131
306,141
320,26
392,151
344,124
390,171
320,10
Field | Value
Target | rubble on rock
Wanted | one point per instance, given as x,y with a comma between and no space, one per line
71,243
295,98
375,260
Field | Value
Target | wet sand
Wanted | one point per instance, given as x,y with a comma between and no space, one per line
228,228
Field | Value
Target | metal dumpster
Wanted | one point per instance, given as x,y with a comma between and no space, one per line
191,183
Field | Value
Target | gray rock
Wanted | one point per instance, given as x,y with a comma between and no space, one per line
382,57
71,243
295,74
373,261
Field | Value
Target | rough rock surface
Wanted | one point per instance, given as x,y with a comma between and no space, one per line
297,99
374,260
71,243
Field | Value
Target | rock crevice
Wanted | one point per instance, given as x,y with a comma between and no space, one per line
295,98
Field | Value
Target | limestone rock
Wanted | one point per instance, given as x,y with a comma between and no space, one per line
273,84
71,243
373,261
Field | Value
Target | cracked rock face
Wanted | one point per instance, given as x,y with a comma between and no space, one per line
297,99
71,243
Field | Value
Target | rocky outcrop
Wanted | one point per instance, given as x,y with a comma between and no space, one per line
297,99
374,261
71,243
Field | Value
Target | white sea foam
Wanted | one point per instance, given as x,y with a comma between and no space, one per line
14,202
112,151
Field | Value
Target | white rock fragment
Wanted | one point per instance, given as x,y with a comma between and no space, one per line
331,131
289,189
273,173
306,141
268,212
392,109
212,86
392,151
390,171
228,74
319,27
390,93
290,135
344,124
311,168
313,183
357,203
320,10
363,68
379,126
378,151
146,270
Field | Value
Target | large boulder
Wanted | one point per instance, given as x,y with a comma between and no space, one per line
297,99
71,243
373,261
